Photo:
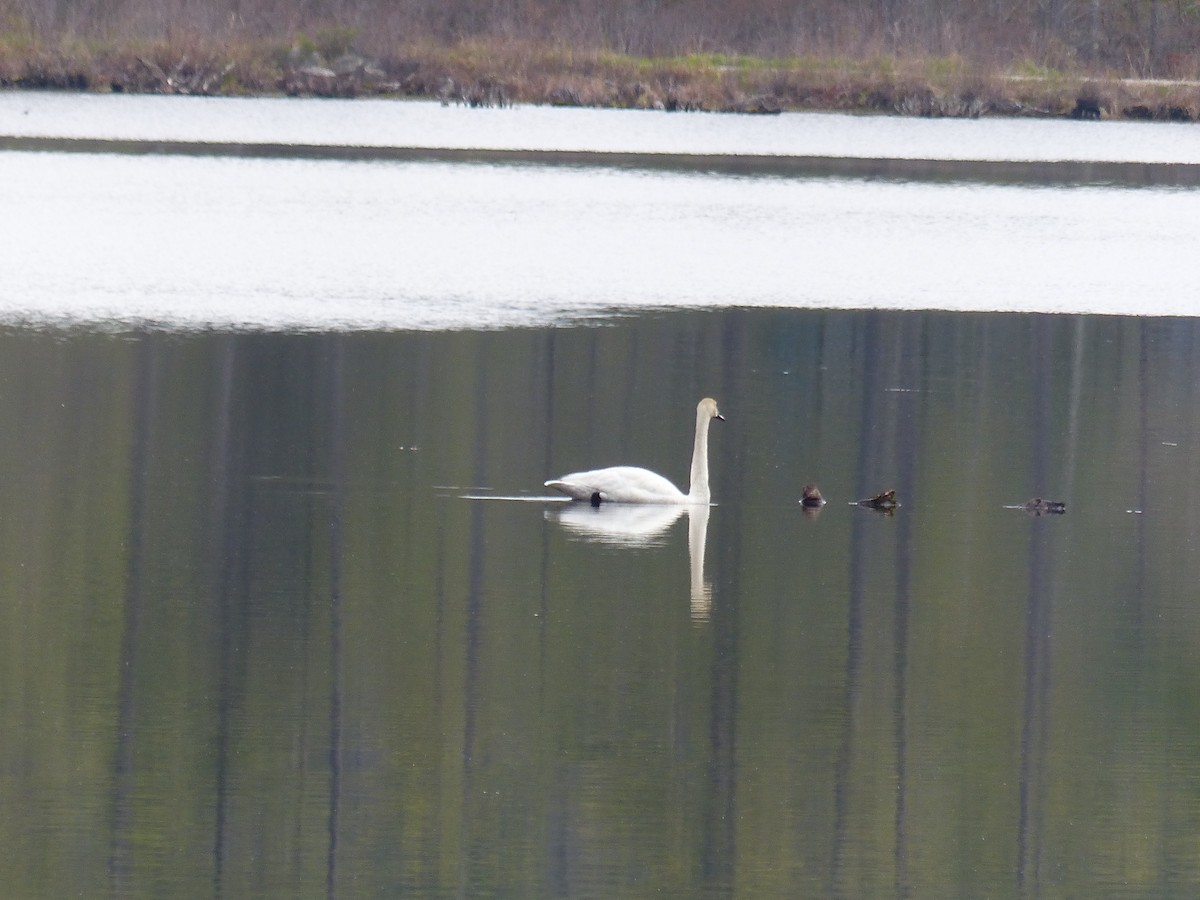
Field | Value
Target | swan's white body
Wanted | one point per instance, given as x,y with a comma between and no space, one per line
631,484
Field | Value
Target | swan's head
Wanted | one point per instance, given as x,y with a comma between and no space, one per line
708,408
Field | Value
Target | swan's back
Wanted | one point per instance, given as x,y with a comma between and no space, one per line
619,484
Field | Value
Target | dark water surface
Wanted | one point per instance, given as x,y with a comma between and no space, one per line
257,642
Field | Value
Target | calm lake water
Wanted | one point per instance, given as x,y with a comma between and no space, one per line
285,611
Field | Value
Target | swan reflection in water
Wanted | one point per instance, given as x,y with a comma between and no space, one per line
643,525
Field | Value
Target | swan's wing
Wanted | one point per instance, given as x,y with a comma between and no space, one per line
619,484
574,490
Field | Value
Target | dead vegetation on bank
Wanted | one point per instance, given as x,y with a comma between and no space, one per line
505,73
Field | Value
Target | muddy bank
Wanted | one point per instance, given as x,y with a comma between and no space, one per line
1133,174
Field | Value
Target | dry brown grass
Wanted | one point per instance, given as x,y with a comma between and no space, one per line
501,72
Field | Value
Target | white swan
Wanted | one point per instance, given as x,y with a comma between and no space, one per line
630,484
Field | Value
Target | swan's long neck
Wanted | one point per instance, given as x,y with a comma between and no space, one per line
698,492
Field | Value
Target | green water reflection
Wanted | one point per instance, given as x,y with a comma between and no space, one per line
257,643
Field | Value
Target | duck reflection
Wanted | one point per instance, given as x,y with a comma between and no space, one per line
639,526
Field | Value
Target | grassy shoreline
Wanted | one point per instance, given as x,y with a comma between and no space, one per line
503,73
